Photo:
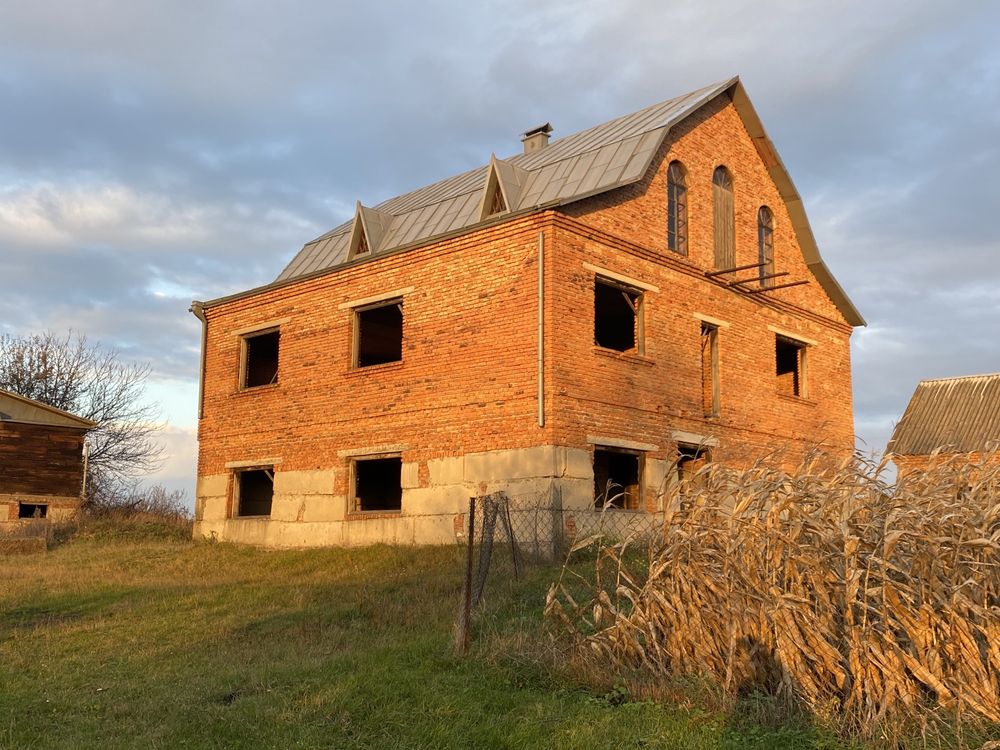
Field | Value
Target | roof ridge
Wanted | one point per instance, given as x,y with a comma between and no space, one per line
960,377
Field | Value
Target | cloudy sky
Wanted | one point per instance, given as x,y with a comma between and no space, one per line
154,152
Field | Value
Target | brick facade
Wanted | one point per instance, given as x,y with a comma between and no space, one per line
467,385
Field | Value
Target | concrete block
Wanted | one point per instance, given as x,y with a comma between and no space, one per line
491,466
304,482
212,485
409,475
446,470
577,463
445,499
325,508
213,508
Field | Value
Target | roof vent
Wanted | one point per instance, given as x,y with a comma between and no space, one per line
536,138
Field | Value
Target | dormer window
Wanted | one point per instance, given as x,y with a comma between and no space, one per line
498,205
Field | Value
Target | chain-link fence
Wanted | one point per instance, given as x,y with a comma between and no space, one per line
511,538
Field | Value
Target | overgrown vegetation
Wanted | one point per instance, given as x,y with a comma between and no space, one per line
114,640
873,608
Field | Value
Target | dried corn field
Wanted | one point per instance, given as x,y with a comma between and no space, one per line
875,606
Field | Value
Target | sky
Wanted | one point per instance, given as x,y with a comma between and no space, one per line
158,151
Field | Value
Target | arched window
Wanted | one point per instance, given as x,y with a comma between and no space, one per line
677,209
723,219
765,244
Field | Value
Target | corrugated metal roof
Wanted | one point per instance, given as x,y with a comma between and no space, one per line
959,414
600,158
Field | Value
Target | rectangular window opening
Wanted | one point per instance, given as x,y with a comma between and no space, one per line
378,337
690,460
378,484
790,366
711,392
260,359
32,510
617,317
254,492
617,476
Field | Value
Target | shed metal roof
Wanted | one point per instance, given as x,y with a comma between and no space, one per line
957,414
15,408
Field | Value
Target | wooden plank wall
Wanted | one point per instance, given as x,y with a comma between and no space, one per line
40,459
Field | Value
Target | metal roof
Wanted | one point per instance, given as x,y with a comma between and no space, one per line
595,160
957,414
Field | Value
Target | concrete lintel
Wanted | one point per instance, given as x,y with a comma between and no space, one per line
693,438
254,462
620,277
792,336
373,450
262,326
710,320
621,443
374,298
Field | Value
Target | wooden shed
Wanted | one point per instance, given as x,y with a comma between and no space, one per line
42,462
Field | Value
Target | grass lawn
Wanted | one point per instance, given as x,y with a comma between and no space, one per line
112,640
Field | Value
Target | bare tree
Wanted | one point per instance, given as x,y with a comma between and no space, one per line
93,382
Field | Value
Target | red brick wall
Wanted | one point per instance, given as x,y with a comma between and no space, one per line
40,459
468,378
466,382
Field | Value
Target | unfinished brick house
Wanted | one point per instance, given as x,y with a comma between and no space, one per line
948,416
41,460
588,311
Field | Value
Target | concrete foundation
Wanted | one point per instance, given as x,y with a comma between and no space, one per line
546,484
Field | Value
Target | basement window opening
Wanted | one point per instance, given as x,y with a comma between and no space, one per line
260,358
690,460
377,485
378,334
32,510
617,316
254,492
790,366
616,478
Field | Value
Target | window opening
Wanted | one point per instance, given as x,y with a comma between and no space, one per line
379,334
377,484
497,204
711,392
676,209
254,492
690,460
32,510
765,245
362,244
723,218
790,366
617,316
260,363
616,478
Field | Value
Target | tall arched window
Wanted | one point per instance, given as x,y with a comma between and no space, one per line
765,244
723,218
677,209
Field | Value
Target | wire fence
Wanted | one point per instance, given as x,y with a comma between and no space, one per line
511,538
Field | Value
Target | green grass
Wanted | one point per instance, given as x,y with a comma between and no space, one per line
156,642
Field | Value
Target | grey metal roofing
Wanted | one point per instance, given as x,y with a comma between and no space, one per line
592,161
958,414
